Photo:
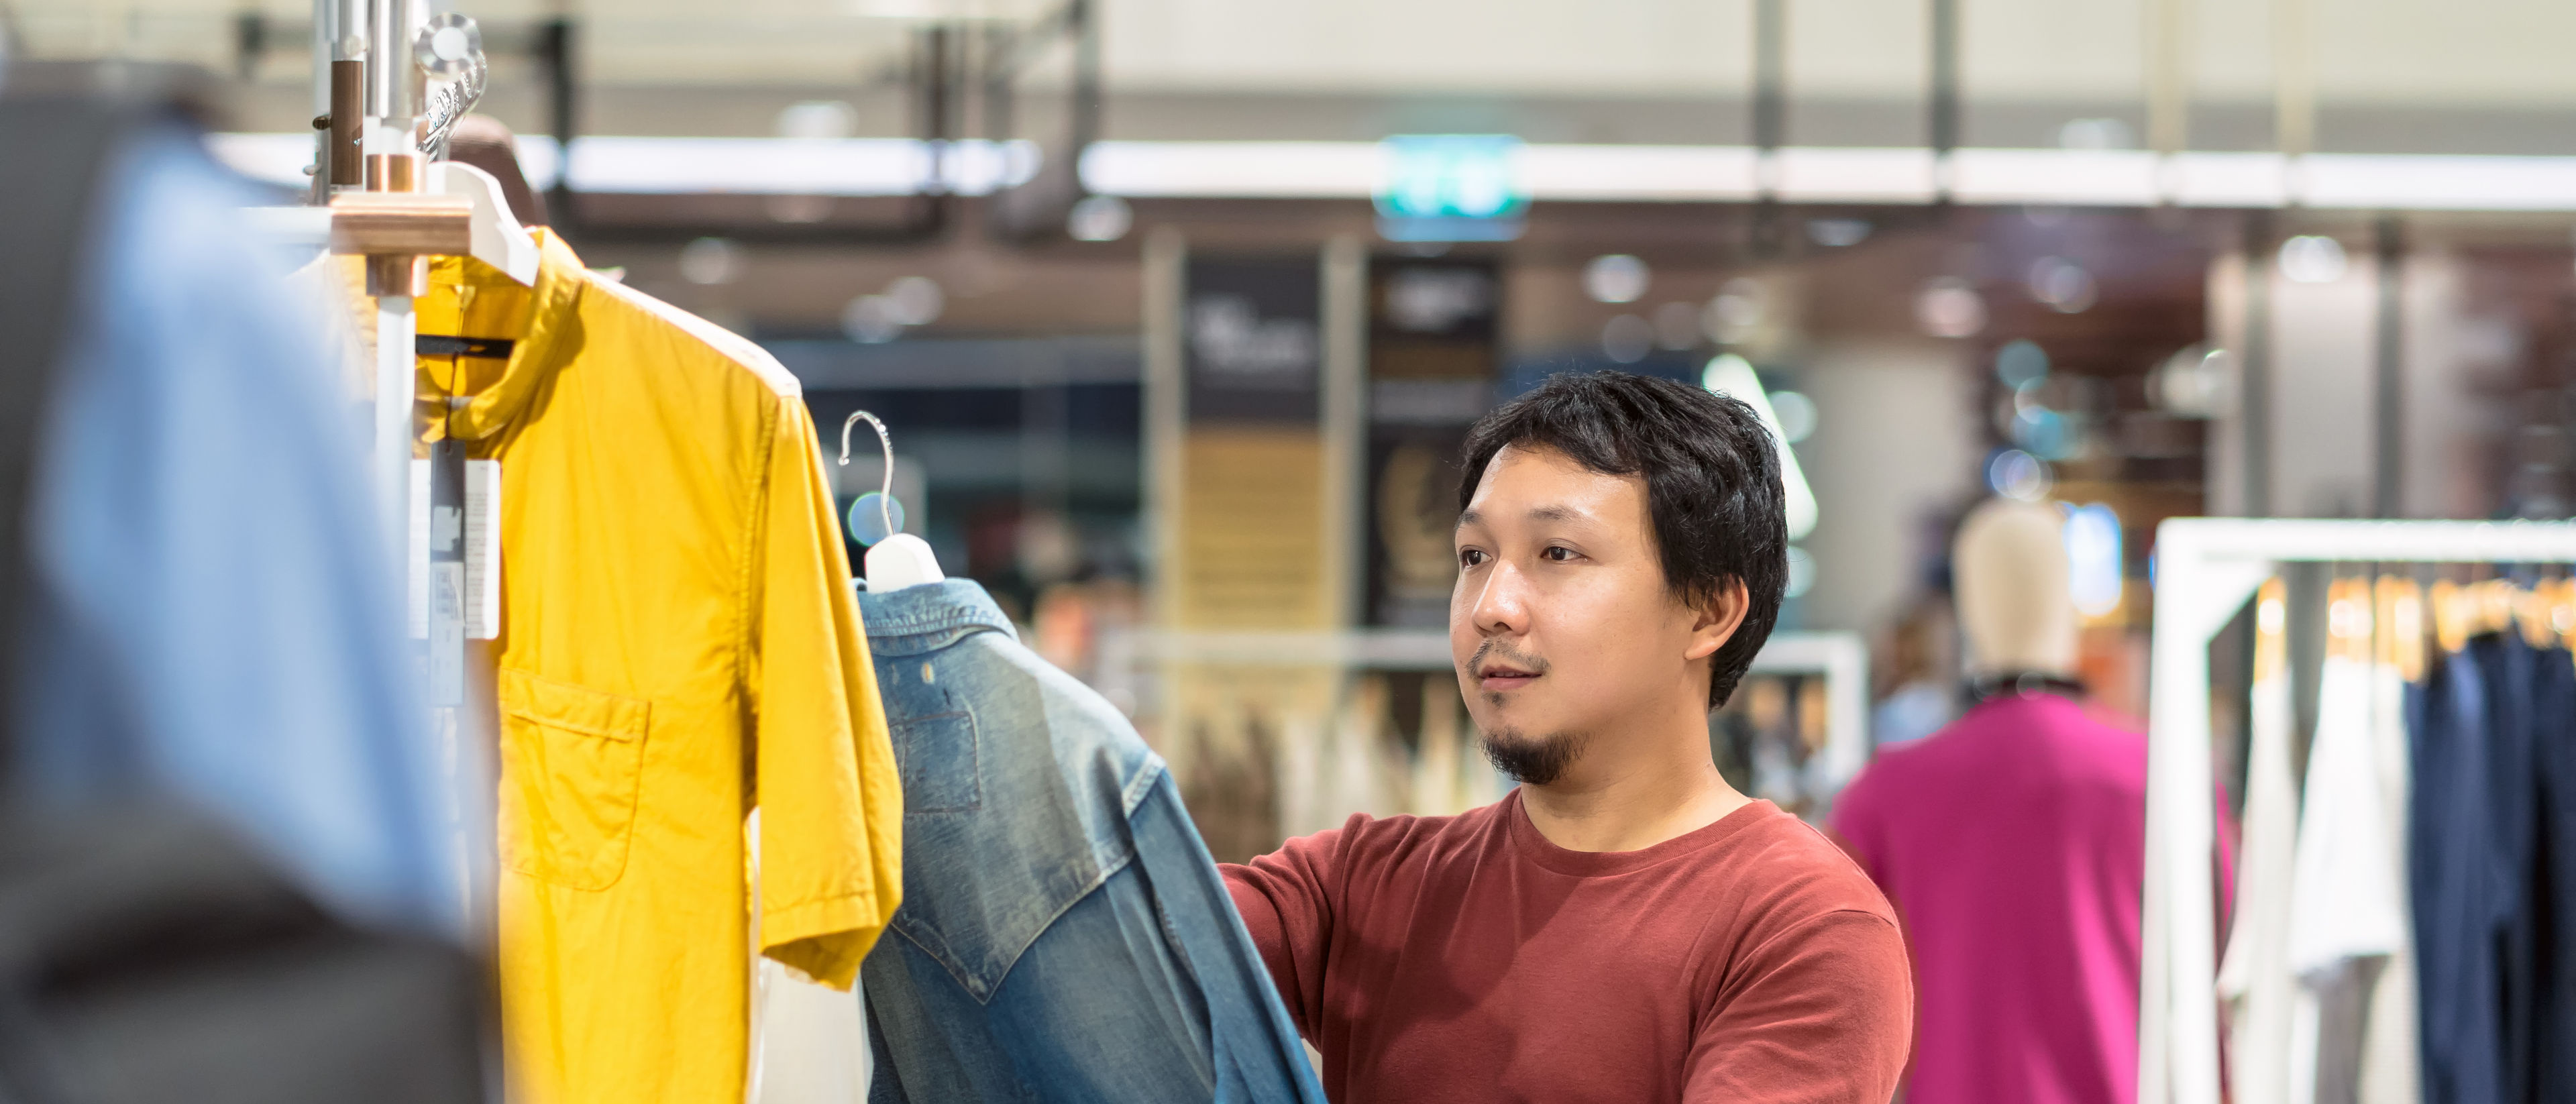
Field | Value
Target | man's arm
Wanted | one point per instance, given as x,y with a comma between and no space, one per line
1288,899
1821,1013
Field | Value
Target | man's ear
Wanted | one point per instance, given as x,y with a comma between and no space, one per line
1716,616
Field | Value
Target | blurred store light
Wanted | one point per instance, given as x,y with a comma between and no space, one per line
1450,187
2192,383
1733,375
1797,414
2095,575
818,119
2015,474
1736,312
2312,259
916,300
2021,363
1615,278
2063,285
2045,432
1099,218
711,261
874,516
1950,307
1836,233
2096,134
1548,172
871,320
1627,339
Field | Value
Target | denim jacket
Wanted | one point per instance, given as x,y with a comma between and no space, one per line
1064,935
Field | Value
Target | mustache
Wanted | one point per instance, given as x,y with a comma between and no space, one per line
1494,648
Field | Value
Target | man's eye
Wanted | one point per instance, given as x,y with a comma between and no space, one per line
1558,553
1470,557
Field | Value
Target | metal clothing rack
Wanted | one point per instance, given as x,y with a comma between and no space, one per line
2206,570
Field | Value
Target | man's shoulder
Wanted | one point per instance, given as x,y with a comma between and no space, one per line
1421,839
1780,869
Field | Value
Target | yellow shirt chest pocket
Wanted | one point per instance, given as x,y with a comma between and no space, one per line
572,763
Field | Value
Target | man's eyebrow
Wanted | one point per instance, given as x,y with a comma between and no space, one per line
1536,513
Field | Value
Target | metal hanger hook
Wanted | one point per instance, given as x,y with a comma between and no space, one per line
885,492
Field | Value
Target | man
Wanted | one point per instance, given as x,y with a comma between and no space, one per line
1624,926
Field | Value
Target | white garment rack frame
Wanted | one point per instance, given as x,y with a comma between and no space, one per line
2206,570
1841,657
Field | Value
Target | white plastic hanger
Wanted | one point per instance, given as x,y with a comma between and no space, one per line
900,560
499,240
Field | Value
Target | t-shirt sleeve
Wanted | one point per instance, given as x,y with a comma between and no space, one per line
831,801
1820,1013
1288,899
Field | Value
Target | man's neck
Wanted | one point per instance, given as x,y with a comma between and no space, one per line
1635,795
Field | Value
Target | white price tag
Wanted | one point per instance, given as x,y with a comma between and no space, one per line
482,549
482,522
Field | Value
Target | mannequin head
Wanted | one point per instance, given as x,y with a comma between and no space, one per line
2009,568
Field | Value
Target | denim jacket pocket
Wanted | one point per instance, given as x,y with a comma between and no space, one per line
941,763
572,761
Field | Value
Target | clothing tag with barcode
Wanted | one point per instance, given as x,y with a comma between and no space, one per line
478,524
482,549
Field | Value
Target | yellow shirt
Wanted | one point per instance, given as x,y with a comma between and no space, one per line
679,644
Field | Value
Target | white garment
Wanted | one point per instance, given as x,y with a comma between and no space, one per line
2254,976
2347,900
2389,1073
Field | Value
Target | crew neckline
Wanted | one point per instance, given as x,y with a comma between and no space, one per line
1543,852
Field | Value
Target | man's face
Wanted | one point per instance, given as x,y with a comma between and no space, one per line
1561,625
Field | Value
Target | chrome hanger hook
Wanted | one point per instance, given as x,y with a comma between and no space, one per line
885,492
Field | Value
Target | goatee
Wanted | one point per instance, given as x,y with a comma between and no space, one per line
1534,761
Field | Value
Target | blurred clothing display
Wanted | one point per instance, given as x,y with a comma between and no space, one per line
2391,1042
2013,844
2347,908
2254,974
1064,935
155,942
212,611
1745,962
678,645
2493,727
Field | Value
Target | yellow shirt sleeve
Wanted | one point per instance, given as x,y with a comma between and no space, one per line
831,800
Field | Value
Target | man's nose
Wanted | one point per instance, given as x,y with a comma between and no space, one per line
1502,605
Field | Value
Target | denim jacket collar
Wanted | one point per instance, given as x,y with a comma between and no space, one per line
928,617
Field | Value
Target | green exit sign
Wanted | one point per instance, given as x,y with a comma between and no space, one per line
1451,187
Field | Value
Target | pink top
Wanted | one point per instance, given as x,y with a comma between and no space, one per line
2013,844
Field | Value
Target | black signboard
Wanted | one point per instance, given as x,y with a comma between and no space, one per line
1434,348
1253,334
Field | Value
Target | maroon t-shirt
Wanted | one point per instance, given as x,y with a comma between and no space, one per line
1466,958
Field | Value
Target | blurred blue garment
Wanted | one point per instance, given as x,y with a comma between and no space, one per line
2461,876
211,611
1064,935
1914,711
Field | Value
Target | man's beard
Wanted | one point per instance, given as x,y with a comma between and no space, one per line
1534,761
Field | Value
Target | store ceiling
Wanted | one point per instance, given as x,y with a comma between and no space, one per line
2423,53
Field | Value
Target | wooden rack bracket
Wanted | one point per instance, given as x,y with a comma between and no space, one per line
413,223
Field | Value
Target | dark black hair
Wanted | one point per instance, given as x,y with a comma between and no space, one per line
1712,479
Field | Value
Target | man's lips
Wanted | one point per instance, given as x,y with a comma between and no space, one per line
1499,677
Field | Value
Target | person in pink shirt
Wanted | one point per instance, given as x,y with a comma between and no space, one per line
2013,845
